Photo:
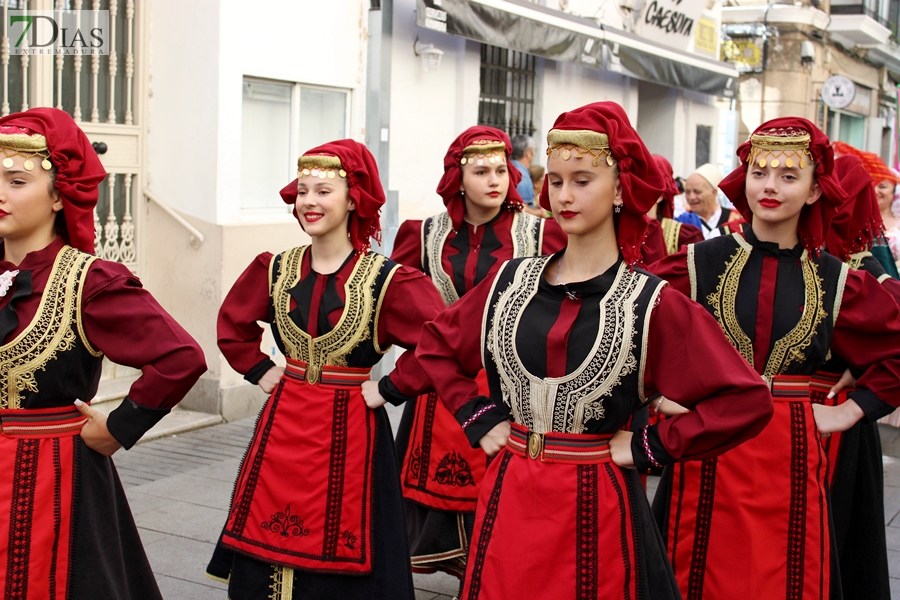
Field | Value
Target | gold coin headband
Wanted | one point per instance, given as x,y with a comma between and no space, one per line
493,151
320,166
789,144
28,147
561,143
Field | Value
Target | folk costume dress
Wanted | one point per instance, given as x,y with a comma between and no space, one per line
316,511
568,365
856,473
754,522
66,527
441,473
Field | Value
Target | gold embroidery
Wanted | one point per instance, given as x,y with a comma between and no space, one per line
50,331
839,295
351,329
526,232
790,348
384,289
671,230
692,271
654,302
441,226
723,302
856,260
282,585
563,404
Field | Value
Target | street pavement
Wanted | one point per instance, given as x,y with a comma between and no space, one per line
179,488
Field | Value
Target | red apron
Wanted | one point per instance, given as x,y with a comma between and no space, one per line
819,386
36,494
303,496
441,470
554,521
753,523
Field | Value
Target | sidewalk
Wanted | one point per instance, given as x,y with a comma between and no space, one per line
180,487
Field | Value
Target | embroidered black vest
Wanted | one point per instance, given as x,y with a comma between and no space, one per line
353,342
722,282
607,387
52,363
671,230
527,233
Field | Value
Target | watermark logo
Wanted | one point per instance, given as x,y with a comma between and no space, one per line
58,32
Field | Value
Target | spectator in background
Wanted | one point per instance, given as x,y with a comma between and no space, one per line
701,191
537,181
523,147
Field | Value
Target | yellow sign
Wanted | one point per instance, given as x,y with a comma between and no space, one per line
706,37
741,51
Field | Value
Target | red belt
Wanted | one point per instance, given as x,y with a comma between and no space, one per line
790,388
326,374
576,448
41,422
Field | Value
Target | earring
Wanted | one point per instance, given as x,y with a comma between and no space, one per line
462,193
618,209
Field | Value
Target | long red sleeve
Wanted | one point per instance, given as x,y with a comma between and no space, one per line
408,245
238,333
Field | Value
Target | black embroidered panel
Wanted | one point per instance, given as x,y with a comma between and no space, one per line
701,534
587,508
242,506
453,470
336,473
623,535
487,527
57,514
427,436
797,514
20,519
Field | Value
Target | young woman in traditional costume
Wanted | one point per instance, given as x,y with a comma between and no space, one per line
754,522
665,235
856,473
572,345
317,506
484,225
66,527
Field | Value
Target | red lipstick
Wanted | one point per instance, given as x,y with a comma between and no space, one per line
567,214
769,203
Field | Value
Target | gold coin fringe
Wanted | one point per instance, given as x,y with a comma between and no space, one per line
321,173
757,156
8,153
565,151
478,159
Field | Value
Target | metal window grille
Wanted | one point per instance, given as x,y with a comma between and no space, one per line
507,90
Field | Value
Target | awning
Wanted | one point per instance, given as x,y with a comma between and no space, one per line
526,27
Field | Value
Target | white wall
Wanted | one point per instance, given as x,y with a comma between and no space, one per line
318,43
183,104
428,110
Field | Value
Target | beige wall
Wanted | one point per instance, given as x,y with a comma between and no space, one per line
191,284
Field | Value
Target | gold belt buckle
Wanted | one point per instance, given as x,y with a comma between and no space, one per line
535,445
312,374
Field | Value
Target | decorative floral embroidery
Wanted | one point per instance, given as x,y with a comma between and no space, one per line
6,281
349,539
454,470
286,524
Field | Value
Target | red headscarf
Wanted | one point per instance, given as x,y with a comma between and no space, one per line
871,162
815,219
862,222
666,208
78,170
448,188
641,180
364,189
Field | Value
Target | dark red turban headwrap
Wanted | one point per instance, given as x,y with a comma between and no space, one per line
467,143
861,223
666,208
642,182
357,164
78,170
794,141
